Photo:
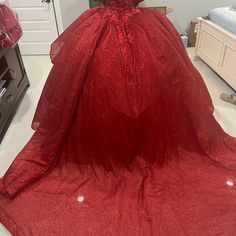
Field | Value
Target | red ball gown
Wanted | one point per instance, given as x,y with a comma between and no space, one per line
125,140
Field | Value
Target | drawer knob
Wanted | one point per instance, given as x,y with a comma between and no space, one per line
10,98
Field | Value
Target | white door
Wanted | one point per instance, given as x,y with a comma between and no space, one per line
38,22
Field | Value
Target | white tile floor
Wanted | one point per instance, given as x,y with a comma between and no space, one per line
38,68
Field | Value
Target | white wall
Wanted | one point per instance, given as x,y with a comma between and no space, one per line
71,9
184,10
187,10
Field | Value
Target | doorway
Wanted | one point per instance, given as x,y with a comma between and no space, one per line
38,21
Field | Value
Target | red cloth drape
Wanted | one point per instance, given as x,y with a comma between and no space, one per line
125,140
10,29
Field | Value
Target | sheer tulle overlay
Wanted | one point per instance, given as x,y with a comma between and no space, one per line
10,29
125,141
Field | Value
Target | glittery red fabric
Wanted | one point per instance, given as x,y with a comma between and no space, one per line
125,142
10,29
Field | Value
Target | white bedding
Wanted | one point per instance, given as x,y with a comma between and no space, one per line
224,17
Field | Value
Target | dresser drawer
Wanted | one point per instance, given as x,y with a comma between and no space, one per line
13,85
8,91
7,98
13,62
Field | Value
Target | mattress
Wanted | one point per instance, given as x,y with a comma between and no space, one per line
224,17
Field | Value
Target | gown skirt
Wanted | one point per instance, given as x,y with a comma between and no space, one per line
125,140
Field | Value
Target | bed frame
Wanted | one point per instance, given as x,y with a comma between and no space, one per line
217,47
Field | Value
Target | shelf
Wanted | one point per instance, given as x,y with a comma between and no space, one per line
4,72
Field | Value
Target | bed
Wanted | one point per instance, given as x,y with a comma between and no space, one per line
216,43
224,17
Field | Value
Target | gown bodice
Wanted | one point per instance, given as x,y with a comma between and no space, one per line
120,3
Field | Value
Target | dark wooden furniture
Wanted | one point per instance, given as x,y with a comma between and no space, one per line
13,85
92,3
